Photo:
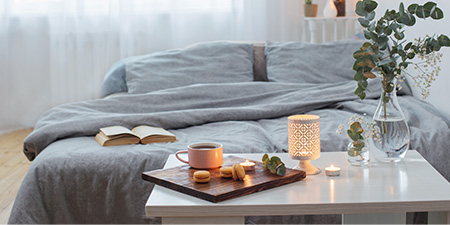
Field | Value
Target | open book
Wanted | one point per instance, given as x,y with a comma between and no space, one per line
118,135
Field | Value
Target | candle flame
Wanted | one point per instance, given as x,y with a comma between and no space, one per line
332,166
246,161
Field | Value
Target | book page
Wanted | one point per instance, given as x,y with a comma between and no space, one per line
116,130
145,131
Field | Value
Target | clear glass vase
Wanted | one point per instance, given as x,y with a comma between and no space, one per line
392,142
358,158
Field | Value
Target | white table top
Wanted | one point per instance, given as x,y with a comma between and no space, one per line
408,186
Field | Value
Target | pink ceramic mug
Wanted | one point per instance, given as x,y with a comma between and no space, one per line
203,155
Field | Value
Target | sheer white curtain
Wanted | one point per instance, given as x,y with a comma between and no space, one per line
57,51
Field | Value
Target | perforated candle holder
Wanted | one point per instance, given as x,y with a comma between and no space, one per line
304,141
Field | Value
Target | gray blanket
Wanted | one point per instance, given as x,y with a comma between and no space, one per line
74,180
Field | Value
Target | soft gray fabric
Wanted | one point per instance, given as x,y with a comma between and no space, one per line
74,180
300,62
115,78
211,62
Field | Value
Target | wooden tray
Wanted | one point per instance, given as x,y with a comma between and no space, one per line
218,188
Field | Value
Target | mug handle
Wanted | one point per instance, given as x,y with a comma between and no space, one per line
182,160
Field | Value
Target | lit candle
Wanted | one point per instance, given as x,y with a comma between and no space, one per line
248,166
333,171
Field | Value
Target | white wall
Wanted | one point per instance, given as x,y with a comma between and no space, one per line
440,89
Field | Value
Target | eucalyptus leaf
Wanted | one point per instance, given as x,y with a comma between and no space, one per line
358,76
373,36
274,165
421,12
388,15
444,40
360,10
370,16
364,22
273,168
389,87
281,170
401,9
407,19
363,83
399,35
383,42
413,8
369,62
370,5
265,157
359,90
394,26
367,34
356,66
359,144
362,96
275,159
352,152
437,14
359,53
408,46
352,135
388,31
369,75
366,45
429,6
356,127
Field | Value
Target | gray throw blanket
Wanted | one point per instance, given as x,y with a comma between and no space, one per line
74,180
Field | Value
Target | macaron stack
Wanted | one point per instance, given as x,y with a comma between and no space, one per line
237,172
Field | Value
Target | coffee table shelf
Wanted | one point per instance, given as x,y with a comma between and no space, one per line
361,194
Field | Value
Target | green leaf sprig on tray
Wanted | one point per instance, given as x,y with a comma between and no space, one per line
389,53
274,164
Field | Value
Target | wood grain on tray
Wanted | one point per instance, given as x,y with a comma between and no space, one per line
218,188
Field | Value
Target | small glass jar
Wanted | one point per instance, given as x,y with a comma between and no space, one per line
357,157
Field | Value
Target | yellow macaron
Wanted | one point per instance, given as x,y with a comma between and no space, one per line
238,172
226,172
202,176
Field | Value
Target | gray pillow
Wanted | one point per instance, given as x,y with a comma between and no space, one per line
298,62
212,62
115,78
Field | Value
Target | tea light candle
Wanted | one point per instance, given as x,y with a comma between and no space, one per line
248,166
333,171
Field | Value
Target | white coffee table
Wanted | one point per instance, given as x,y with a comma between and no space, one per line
381,192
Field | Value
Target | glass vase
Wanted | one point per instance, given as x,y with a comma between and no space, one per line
391,143
358,158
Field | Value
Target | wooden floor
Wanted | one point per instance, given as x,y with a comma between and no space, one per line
13,166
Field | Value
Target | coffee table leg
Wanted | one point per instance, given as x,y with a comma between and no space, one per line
439,217
203,220
374,218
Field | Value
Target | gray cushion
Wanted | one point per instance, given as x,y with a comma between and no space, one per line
298,62
212,62
115,79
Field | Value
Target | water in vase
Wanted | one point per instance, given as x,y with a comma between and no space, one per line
393,142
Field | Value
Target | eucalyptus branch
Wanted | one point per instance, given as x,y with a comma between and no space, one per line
390,28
